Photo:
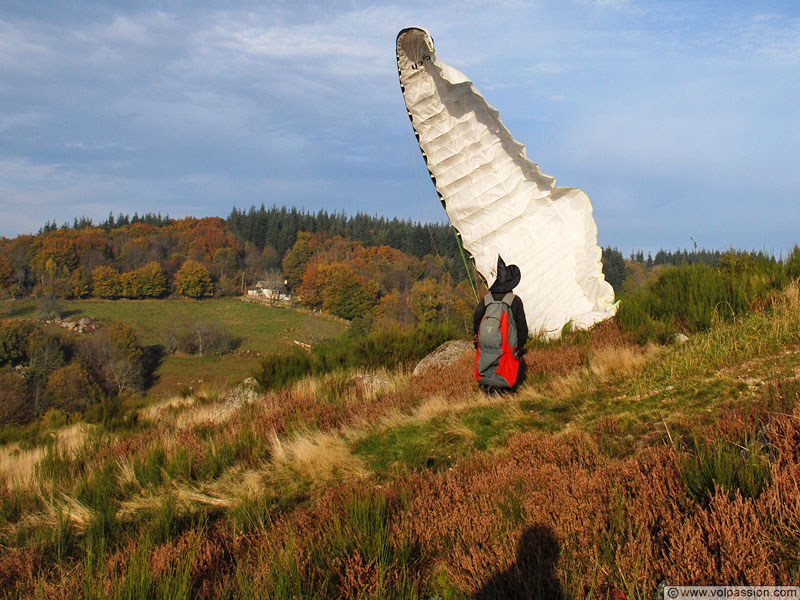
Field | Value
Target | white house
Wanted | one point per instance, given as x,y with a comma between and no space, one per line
268,291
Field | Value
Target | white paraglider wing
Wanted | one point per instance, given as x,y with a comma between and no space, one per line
499,201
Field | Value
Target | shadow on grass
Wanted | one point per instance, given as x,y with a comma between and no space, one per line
15,309
151,360
532,576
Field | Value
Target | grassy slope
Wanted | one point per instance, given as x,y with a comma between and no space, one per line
275,470
260,329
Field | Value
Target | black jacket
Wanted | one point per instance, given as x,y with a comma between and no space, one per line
517,310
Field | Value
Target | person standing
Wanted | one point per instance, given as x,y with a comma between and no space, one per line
501,331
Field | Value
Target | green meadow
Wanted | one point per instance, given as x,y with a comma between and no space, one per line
257,329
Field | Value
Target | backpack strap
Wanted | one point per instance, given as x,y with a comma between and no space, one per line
508,298
488,299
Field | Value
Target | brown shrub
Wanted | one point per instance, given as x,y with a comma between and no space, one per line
553,362
18,569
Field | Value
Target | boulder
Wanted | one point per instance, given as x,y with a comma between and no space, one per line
680,338
447,353
244,393
370,384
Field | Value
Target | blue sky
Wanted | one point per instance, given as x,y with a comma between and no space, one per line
679,119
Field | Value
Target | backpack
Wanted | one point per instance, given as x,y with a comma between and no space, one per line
496,364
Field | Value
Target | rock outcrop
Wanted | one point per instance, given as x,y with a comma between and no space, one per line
447,353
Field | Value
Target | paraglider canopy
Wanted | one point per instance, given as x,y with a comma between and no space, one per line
498,200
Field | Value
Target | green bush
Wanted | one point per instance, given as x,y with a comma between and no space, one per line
690,298
14,341
380,348
71,388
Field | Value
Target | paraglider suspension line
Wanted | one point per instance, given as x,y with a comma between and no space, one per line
466,264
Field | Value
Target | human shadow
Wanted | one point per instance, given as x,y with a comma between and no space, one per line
532,576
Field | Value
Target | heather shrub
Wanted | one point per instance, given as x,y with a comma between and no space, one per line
350,550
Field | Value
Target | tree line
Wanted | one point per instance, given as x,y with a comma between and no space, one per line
141,256
153,256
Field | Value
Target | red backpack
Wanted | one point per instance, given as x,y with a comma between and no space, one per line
496,364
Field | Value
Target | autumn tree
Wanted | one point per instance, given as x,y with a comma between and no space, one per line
58,249
346,294
114,357
224,262
72,388
193,280
130,284
14,405
80,283
153,280
6,271
427,301
134,254
14,341
296,259
106,282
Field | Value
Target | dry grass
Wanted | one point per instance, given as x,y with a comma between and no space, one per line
319,456
621,361
18,466
157,411
61,507
181,412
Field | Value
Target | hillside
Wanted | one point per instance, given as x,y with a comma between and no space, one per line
253,330
616,468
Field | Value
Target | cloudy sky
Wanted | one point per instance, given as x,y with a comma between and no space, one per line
680,119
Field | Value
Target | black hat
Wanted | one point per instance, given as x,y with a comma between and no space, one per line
507,277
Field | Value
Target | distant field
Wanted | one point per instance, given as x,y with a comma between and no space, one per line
260,329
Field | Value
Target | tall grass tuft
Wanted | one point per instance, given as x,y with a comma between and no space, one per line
100,493
730,467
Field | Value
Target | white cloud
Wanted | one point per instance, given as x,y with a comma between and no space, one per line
286,103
